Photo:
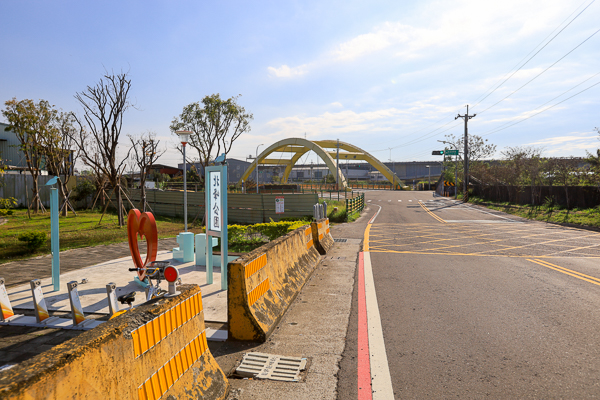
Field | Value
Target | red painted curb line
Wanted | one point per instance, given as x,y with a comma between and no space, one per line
364,365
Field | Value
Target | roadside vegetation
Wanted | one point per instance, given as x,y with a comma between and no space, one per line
547,212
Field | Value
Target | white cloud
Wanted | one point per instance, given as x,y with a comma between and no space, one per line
328,123
435,27
337,104
563,145
288,72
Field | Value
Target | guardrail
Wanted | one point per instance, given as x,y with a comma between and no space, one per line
355,204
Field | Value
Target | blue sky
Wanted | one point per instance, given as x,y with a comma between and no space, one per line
377,74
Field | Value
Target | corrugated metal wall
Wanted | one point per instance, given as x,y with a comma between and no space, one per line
14,185
242,208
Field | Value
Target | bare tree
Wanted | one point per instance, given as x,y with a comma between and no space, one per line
145,154
104,106
215,124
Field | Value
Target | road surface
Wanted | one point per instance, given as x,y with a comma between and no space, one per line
470,303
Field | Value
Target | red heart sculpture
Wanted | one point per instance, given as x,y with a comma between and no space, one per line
144,225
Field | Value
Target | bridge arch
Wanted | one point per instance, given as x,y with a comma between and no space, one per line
299,146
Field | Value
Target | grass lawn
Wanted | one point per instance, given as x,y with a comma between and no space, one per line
585,217
75,232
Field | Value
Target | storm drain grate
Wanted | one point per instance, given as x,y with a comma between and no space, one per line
270,366
340,240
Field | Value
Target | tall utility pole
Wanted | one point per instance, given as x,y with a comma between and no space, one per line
466,117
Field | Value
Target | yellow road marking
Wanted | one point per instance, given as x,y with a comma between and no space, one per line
578,275
366,240
432,214
377,250
576,248
546,242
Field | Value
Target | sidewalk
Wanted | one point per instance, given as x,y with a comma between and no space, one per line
314,327
21,272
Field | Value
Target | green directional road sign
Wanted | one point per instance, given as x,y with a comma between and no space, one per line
451,152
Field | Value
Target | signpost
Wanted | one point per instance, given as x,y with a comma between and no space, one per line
279,205
216,217
451,152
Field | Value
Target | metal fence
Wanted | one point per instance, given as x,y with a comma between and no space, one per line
355,204
241,208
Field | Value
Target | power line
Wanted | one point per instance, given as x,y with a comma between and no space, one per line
538,75
546,109
537,52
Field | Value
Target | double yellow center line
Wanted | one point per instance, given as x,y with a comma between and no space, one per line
430,213
578,275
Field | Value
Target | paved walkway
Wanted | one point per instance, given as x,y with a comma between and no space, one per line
20,272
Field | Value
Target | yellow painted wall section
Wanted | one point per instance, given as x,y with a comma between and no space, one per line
322,238
154,351
263,283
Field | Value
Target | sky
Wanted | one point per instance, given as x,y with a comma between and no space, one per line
376,74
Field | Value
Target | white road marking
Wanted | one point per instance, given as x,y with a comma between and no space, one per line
389,201
410,201
381,381
378,200
368,201
399,200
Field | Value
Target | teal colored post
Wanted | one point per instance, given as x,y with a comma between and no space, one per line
54,244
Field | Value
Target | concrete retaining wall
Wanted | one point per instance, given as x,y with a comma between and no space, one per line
264,282
322,236
153,351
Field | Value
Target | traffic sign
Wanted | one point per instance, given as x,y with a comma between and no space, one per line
437,153
451,152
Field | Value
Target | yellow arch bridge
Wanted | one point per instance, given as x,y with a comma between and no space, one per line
297,147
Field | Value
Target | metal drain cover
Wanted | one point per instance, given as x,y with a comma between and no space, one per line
271,366
340,240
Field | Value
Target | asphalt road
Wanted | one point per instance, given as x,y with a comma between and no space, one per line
478,304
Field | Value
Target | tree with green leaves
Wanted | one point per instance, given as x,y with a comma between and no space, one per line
61,154
34,124
479,150
215,124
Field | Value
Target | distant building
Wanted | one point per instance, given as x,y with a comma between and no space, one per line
165,169
10,155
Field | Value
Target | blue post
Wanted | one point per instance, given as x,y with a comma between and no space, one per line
54,244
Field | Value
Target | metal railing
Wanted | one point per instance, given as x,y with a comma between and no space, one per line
355,204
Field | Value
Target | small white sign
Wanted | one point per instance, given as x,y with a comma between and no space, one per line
214,212
279,205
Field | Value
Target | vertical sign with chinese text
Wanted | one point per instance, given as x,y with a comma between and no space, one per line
214,213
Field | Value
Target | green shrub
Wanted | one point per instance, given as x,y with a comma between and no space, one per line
296,225
33,239
4,213
340,215
8,203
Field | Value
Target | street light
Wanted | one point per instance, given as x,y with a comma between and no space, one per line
256,159
184,137
429,181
